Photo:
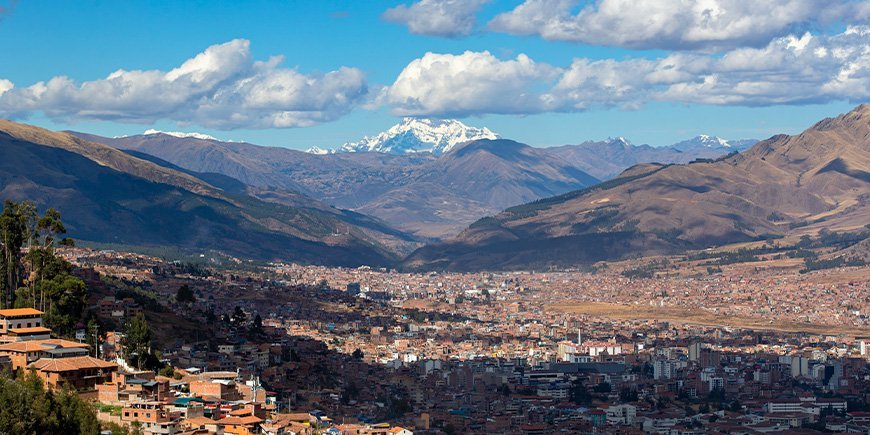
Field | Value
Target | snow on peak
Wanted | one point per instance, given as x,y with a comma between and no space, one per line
618,140
180,134
416,135
711,141
702,141
317,150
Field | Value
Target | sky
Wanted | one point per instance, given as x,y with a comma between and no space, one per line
544,72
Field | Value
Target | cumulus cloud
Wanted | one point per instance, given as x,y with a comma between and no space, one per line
5,85
706,25
223,87
447,18
789,70
469,83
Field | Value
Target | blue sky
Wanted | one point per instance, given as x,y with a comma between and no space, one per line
367,51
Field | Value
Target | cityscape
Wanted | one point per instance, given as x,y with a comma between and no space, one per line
435,217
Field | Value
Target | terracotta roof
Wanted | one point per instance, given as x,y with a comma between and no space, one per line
71,364
11,312
39,345
198,421
31,330
240,420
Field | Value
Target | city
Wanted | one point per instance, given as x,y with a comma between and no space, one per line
435,217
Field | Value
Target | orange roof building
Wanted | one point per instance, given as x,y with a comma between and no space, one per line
22,353
22,320
82,372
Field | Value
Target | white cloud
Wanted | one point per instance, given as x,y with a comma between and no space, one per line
5,85
789,70
447,18
469,83
222,87
706,25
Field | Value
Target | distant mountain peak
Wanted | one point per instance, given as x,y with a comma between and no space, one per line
620,140
317,150
416,135
707,141
194,135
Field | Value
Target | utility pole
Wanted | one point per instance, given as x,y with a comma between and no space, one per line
97,341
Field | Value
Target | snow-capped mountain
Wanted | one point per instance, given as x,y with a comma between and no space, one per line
705,141
180,134
414,135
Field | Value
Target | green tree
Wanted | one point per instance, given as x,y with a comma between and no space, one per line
13,230
28,408
137,341
67,299
579,394
257,325
185,294
238,317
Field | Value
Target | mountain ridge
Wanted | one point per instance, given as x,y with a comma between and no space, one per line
109,196
816,179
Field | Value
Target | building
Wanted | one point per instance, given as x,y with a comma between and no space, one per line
153,417
18,324
81,372
663,369
23,353
622,414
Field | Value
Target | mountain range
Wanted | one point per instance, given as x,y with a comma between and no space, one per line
377,204
414,135
785,184
413,175
109,196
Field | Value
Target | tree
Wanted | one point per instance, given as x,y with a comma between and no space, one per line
603,387
627,395
238,317
257,325
48,227
185,294
358,354
28,408
67,299
579,394
137,341
13,230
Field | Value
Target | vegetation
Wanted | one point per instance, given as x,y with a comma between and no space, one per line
185,294
137,343
33,275
29,408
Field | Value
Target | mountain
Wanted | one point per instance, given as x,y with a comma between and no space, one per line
607,159
428,195
473,180
414,135
109,196
705,142
782,185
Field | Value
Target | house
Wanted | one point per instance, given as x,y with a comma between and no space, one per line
23,353
153,417
81,372
246,425
18,324
129,387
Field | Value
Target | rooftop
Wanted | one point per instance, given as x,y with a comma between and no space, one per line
71,364
18,312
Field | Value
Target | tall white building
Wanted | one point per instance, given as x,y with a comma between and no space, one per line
663,369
